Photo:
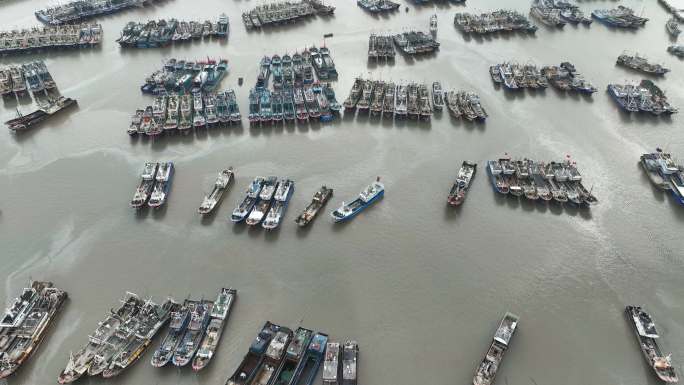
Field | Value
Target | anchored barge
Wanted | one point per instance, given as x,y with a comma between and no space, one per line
487,370
370,195
647,336
24,122
213,199
218,317
245,372
319,200
26,322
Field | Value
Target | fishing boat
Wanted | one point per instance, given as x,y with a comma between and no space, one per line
672,27
388,103
219,315
657,170
265,114
179,322
244,208
210,113
486,371
136,121
293,357
350,355
26,322
311,104
354,95
331,364
437,96
368,196
319,200
540,181
142,193
363,104
262,205
289,114
186,120
254,114
460,188
152,318
163,178
301,111
647,336
189,343
198,118
281,199
306,371
211,200
273,357
244,373
496,177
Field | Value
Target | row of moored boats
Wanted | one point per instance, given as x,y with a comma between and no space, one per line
154,34
643,97
284,12
514,76
179,75
50,38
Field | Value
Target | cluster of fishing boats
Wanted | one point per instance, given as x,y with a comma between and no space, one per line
284,12
77,10
378,6
265,203
154,34
415,42
50,37
195,329
17,81
621,17
183,112
497,21
381,47
26,322
535,180
461,104
676,49
155,185
280,356
642,64
566,78
178,75
644,97
665,173
516,76
119,340
389,100
557,13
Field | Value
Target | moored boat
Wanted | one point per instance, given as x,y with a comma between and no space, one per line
460,188
368,196
189,343
162,186
213,199
647,336
244,208
350,355
319,200
305,374
293,357
142,193
486,371
274,355
245,372
495,172
652,165
261,207
331,364
179,322
219,315
281,199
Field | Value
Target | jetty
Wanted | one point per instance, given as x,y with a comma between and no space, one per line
497,21
50,38
381,47
78,10
161,33
284,12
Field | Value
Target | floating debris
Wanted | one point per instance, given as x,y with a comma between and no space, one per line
558,181
677,50
646,97
381,47
284,12
50,38
566,78
25,323
378,6
497,21
154,34
182,76
640,63
515,76
415,42
78,10
621,17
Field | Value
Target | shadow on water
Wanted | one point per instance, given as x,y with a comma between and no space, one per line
160,212
541,206
237,228
141,213
303,232
452,213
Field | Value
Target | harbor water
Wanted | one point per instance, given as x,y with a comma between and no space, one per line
421,286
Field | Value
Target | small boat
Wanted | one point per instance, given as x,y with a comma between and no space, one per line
460,188
262,205
244,373
273,356
433,24
350,356
496,177
198,118
370,195
142,193
437,96
219,315
652,164
319,200
244,208
647,336
280,202
306,372
179,322
136,121
331,364
189,343
293,357
211,200
486,372
162,186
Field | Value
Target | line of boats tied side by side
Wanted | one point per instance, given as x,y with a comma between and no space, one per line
194,332
284,12
78,10
641,63
644,97
155,185
297,92
184,76
410,43
50,38
277,356
514,76
161,33
492,22
378,6
413,100
664,173
557,13
19,82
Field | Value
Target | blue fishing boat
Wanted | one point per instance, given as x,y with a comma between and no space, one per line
243,209
370,195
305,374
199,319
162,186
179,322
247,369
280,202
285,374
